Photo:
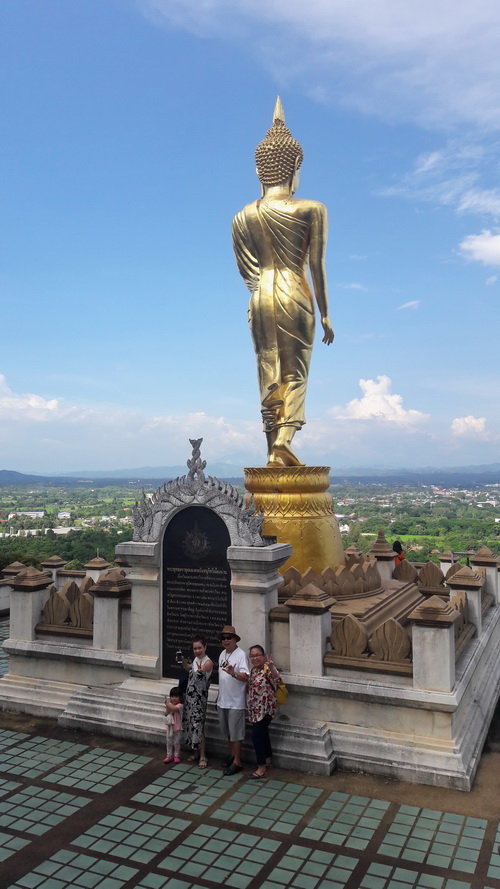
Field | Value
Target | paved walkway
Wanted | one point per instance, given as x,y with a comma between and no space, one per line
77,810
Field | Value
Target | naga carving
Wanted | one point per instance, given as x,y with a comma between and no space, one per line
197,489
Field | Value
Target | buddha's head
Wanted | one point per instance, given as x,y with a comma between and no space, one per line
279,155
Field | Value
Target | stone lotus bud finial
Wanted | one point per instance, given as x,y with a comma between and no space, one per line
112,585
485,557
30,579
352,555
454,567
466,578
53,562
310,599
434,612
381,549
97,563
13,569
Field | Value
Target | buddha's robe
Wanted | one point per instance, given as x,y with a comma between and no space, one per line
271,243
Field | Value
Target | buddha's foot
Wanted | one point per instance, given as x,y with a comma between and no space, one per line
284,456
273,460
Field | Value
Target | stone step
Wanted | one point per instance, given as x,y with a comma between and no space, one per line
41,697
114,711
138,714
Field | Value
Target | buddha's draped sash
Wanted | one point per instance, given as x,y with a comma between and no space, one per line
271,248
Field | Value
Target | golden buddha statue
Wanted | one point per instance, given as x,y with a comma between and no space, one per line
275,239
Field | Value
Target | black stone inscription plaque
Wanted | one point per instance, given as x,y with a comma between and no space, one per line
196,584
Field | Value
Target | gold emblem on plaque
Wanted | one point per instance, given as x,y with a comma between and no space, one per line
195,544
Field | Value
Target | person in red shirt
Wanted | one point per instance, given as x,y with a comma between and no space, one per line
398,549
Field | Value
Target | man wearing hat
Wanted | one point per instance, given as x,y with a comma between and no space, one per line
231,703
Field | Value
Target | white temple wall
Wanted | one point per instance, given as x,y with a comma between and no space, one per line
61,669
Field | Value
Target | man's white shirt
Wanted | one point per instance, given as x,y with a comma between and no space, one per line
232,692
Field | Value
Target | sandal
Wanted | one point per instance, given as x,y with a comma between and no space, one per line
256,777
203,763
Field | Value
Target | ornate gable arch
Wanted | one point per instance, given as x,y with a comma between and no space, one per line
195,489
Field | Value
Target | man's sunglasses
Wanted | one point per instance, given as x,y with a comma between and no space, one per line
226,637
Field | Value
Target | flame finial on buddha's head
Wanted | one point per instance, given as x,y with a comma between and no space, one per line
279,155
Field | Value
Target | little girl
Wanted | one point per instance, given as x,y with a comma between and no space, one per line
173,722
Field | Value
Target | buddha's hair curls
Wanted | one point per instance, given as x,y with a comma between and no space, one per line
278,155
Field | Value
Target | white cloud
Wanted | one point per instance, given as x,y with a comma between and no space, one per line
452,177
29,406
470,427
435,61
413,304
353,286
68,434
482,201
491,280
483,248
379,403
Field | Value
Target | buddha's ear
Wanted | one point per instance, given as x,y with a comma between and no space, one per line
296,176
261,185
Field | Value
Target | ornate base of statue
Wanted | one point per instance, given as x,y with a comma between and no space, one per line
299,510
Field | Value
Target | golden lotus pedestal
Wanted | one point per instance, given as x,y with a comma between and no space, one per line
299,510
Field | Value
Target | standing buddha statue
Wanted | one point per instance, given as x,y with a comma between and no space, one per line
275,240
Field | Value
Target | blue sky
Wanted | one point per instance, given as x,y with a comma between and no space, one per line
129,128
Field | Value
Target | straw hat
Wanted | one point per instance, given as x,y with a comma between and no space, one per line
230,631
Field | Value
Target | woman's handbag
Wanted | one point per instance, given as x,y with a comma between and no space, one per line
281,693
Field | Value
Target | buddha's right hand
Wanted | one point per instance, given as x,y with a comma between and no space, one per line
328,330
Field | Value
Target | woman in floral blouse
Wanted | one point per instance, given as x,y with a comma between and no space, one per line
261,706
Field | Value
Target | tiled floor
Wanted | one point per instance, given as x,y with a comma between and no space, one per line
95,813
344,820
36,756
132,834
441,839
35,810
97,771
182,788
273,805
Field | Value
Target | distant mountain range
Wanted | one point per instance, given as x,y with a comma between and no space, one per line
220,470
461,476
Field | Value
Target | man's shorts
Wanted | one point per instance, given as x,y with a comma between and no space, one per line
232,723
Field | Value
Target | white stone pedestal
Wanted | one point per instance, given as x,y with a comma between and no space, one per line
27,598
144,658
254,583
310,626
433,638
